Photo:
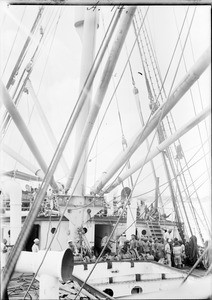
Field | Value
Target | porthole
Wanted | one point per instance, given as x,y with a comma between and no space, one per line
53,230
143,232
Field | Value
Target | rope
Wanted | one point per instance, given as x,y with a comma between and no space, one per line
47,236
50,48
124,141
7,117
109,238
168,96
192,98
190,166
130,67
191,94
61,144
25,48
174,124
198,85
167,118
138,100
111,232
116,89
9,55
162,132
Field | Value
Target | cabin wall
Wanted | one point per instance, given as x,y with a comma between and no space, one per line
89,236
61,239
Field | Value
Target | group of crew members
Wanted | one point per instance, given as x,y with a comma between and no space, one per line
164,251
167,250
144,212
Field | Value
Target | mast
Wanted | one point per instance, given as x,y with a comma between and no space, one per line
137,98
176,209
46,124
161,147
16,156
193,74
27,226
23,129
102,88
86,25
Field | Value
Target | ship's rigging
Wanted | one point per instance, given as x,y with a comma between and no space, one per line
168,156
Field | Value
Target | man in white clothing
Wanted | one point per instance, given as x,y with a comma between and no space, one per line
35,247
167,253
168,235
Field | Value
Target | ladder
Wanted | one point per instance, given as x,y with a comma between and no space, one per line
155,229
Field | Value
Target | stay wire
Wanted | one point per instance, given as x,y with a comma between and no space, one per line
7,118
124,141
174,178
191,95
50,48
62,141
187,167
48,230
198,85
165,95
125,66
154,61
183,191
9,55
117,220
198,126
169,66
175,74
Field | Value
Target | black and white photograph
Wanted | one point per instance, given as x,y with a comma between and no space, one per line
105,110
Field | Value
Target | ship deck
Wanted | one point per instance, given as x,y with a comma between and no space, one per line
20,282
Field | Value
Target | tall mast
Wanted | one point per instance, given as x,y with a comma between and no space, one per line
18,120
102,88
188,80
86,26
161,138
161,147
137,99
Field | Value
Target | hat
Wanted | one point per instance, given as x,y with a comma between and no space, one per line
36,241
126,242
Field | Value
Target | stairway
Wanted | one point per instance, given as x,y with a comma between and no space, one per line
155,229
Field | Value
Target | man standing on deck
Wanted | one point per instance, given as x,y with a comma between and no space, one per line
134,245
104,241
35,247
167,250
168,235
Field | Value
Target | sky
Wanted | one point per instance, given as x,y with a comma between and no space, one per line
56,74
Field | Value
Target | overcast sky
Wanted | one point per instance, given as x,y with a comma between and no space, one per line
56,73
